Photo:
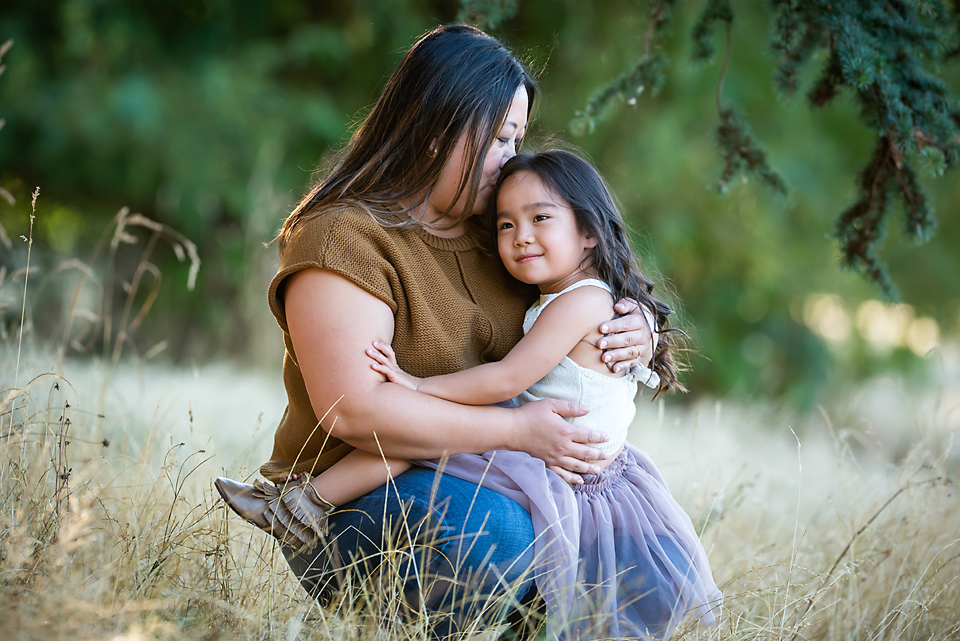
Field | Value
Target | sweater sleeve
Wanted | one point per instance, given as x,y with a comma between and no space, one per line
346,241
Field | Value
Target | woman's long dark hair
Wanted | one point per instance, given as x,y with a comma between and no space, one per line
585,191
455,81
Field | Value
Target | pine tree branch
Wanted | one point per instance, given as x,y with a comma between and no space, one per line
715,11
741,153
648,72
726,65
860,228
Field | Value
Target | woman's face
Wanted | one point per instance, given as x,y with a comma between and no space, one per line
459,166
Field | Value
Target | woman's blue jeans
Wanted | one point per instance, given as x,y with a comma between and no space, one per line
452,551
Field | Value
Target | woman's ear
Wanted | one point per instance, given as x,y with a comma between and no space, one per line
590,241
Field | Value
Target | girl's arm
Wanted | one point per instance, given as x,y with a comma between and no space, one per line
560,327
331,320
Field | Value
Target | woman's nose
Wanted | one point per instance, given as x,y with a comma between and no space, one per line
509,152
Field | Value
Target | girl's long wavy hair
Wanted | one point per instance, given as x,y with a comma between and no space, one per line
597,212
455,81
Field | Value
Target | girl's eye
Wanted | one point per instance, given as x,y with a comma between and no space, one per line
540,217
505,226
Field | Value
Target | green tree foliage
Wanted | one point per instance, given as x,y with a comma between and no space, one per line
885,53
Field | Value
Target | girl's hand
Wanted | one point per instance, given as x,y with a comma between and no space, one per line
628,340
565,448
385,362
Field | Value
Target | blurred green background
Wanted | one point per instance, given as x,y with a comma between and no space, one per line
210,116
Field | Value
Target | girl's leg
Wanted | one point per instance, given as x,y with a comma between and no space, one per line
297,511
356,474
457,552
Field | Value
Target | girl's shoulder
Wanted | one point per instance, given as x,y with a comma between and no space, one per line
586,290
589,300
589,284
587,293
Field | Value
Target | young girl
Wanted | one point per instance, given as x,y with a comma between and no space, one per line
618,557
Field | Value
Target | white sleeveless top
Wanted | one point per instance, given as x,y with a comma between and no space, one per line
610,399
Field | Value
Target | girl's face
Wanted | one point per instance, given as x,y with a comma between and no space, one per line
537,235
459,166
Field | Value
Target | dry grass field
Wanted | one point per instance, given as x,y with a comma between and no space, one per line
835,526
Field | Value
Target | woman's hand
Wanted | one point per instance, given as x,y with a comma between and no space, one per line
385,362
564,447
628,340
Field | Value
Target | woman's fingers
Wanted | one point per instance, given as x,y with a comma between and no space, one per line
568,409
569,477
564,448
623,358
580,466
627,340
627,348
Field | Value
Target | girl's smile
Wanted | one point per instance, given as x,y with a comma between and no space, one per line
537,235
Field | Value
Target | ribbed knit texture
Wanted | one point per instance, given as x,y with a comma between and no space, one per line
454,308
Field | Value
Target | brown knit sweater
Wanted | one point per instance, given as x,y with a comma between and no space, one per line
454,308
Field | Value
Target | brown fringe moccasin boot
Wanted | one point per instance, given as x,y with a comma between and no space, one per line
294,513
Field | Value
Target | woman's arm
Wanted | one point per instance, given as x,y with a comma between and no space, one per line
331,321
559,328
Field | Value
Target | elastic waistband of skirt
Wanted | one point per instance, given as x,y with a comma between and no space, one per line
593,483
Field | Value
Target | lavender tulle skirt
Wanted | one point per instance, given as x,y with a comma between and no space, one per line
616,557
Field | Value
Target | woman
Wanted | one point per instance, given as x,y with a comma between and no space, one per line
385,248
